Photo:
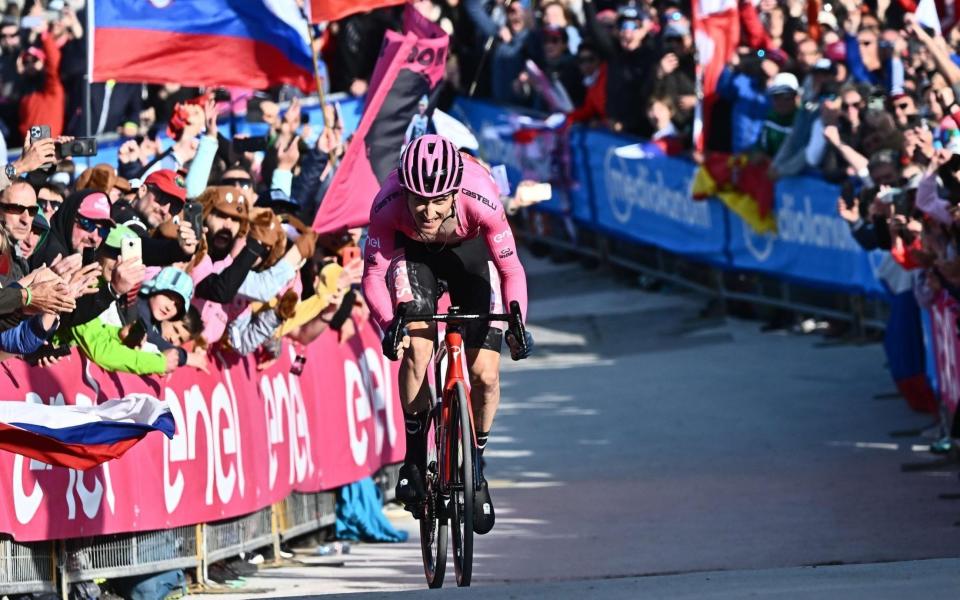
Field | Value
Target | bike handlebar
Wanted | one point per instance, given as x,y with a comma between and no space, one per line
402,316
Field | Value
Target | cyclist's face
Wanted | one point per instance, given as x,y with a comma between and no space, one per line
429,213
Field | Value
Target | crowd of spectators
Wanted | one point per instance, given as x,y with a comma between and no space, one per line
860,94
145,265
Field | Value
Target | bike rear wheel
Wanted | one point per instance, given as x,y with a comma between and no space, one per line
433,518
462,454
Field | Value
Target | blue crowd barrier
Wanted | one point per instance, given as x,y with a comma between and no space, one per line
648,200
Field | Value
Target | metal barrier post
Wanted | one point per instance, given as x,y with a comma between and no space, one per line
53,564
201,554
278,520
64,580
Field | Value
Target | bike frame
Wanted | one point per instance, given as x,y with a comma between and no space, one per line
453,347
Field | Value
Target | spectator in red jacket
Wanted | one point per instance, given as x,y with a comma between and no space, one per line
44,97
594,71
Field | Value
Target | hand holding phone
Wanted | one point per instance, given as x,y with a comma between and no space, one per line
131,249
47,351
135,335
39,132
193,213
533,192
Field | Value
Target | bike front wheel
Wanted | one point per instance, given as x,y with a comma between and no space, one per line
462,454
433,518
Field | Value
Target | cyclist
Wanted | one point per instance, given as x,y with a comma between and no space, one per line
439,216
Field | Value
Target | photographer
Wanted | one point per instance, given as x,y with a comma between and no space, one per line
225,275
879,191
745,85
159,199
946,165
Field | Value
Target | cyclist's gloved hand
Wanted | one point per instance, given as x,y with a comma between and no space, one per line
396,337
388,347
392,345
518,351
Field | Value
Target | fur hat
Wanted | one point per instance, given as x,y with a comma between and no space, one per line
227,200
266,228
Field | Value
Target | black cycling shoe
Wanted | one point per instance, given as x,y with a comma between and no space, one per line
410,491
483,515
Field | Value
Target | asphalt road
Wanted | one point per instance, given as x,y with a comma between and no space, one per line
647,451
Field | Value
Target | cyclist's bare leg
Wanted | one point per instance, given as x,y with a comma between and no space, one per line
414,386
415,398
484,367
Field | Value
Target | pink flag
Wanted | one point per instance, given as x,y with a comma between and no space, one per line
410,67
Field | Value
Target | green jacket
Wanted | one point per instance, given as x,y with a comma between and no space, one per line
774,132
100,341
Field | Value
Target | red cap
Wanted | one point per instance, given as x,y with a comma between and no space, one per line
95,206
778,56
168,182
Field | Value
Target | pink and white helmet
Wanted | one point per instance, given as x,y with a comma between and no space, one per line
430,166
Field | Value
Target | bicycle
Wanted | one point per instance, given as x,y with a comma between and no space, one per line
452,473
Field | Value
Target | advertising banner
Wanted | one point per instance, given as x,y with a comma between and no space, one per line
244,439
812,242
648,200
946,343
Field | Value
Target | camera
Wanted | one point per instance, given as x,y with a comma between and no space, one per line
77,147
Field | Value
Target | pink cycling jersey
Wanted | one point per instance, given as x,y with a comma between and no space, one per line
479,213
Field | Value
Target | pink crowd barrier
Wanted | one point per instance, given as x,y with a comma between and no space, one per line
245,439
946,340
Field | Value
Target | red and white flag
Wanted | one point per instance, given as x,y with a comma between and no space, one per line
716,29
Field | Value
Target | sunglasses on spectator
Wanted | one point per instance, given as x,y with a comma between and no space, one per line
49,205
164,199
629,26
587,58
90,226
849,105
219,213
241,182
19,209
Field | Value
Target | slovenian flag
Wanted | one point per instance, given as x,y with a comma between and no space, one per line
249,44
81,437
